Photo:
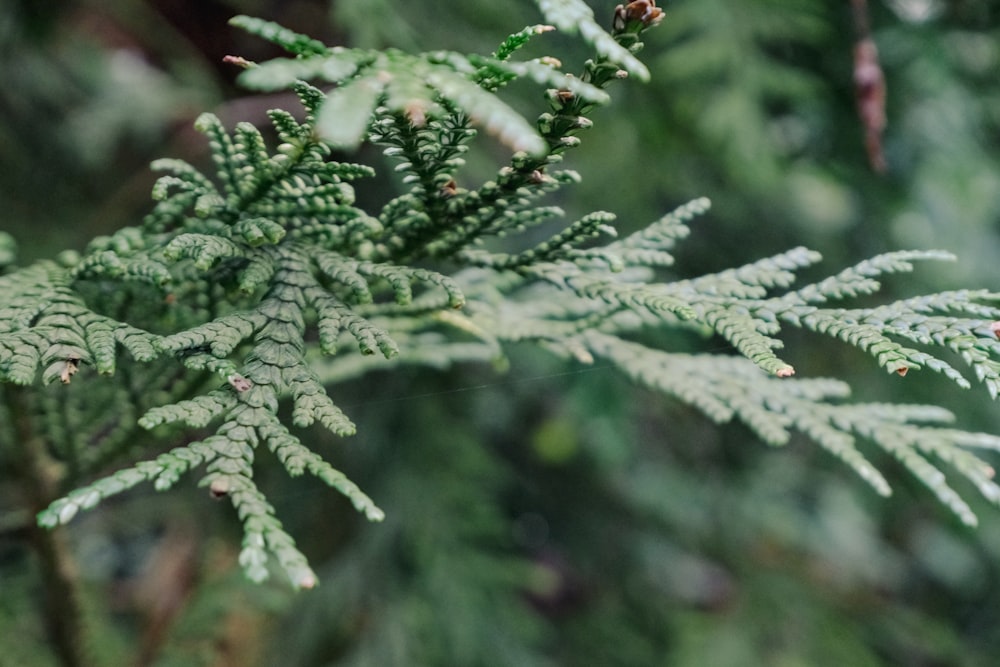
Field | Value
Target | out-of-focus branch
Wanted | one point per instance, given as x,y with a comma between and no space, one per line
869,86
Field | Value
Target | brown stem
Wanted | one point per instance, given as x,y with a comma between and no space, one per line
869,86
859,11
39,477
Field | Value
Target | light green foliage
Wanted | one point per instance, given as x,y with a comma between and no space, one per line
262,283
732,388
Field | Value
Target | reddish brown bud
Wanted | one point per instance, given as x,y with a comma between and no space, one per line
239,61
537,176
239,383
219,487
636,15
416,113
69,370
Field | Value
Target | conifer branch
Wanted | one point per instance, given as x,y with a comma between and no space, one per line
733,388
260,284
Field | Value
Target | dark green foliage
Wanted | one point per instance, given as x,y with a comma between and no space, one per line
416,88
47,325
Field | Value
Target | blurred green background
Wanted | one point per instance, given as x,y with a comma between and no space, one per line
551,515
